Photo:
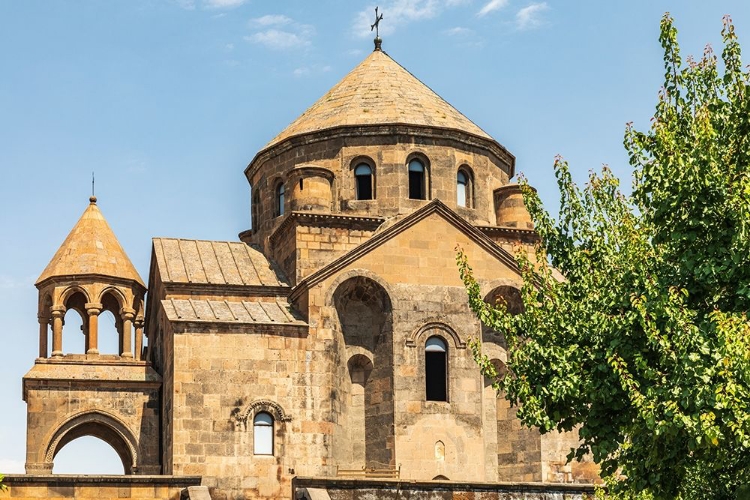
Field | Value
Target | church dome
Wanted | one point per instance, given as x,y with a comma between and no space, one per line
379,91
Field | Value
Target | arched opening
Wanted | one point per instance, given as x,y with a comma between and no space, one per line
96,425
464,188
110,325
279,195
364,185
365,318
88,455
510,297
75,324
436,369
417,177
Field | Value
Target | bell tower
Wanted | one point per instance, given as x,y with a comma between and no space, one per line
114,397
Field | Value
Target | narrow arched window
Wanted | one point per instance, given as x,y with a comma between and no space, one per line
279,200
416,180
436,369
363,177
254,208
462,188
263,434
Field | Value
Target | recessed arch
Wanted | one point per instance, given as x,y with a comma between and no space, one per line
418,173
510,296
366,273
360,367
98,424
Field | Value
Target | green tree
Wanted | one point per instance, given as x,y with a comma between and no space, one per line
644,345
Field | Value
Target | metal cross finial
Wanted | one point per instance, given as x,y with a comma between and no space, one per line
376,27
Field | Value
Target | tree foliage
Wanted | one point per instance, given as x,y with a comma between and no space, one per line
644,345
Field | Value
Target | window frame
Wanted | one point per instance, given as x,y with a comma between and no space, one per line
468,187
370,175
268,448
423,182
279,199
436,345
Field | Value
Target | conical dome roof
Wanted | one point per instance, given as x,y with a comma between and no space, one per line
379,91
91,248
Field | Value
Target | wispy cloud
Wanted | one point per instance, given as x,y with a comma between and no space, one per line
397,13
492,6
270,20
279,40
294,35
210,4
223,4
458,31
530,16
310,70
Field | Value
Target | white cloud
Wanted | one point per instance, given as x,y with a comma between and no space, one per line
309,70
223,4
10,466
530,17
397,13
294,35
210,4
492,6
229,47
270,20
279,40
458,31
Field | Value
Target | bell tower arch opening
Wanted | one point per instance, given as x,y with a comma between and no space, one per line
97,425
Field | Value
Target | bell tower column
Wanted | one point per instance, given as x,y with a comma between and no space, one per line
43,333
138,337
92,339
58,313
127,331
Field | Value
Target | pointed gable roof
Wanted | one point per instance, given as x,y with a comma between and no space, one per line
434,207
91,248
379,91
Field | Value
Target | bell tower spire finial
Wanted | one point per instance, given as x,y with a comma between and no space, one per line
376,26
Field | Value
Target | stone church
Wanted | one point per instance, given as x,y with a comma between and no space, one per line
324,353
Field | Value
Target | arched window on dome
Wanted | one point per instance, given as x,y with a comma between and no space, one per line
416,180
436,369
279,200
263,434
464,189
363,178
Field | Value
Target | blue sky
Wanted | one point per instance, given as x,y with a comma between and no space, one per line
168,100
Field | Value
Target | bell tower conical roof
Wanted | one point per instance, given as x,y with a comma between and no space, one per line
91,248
379,91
